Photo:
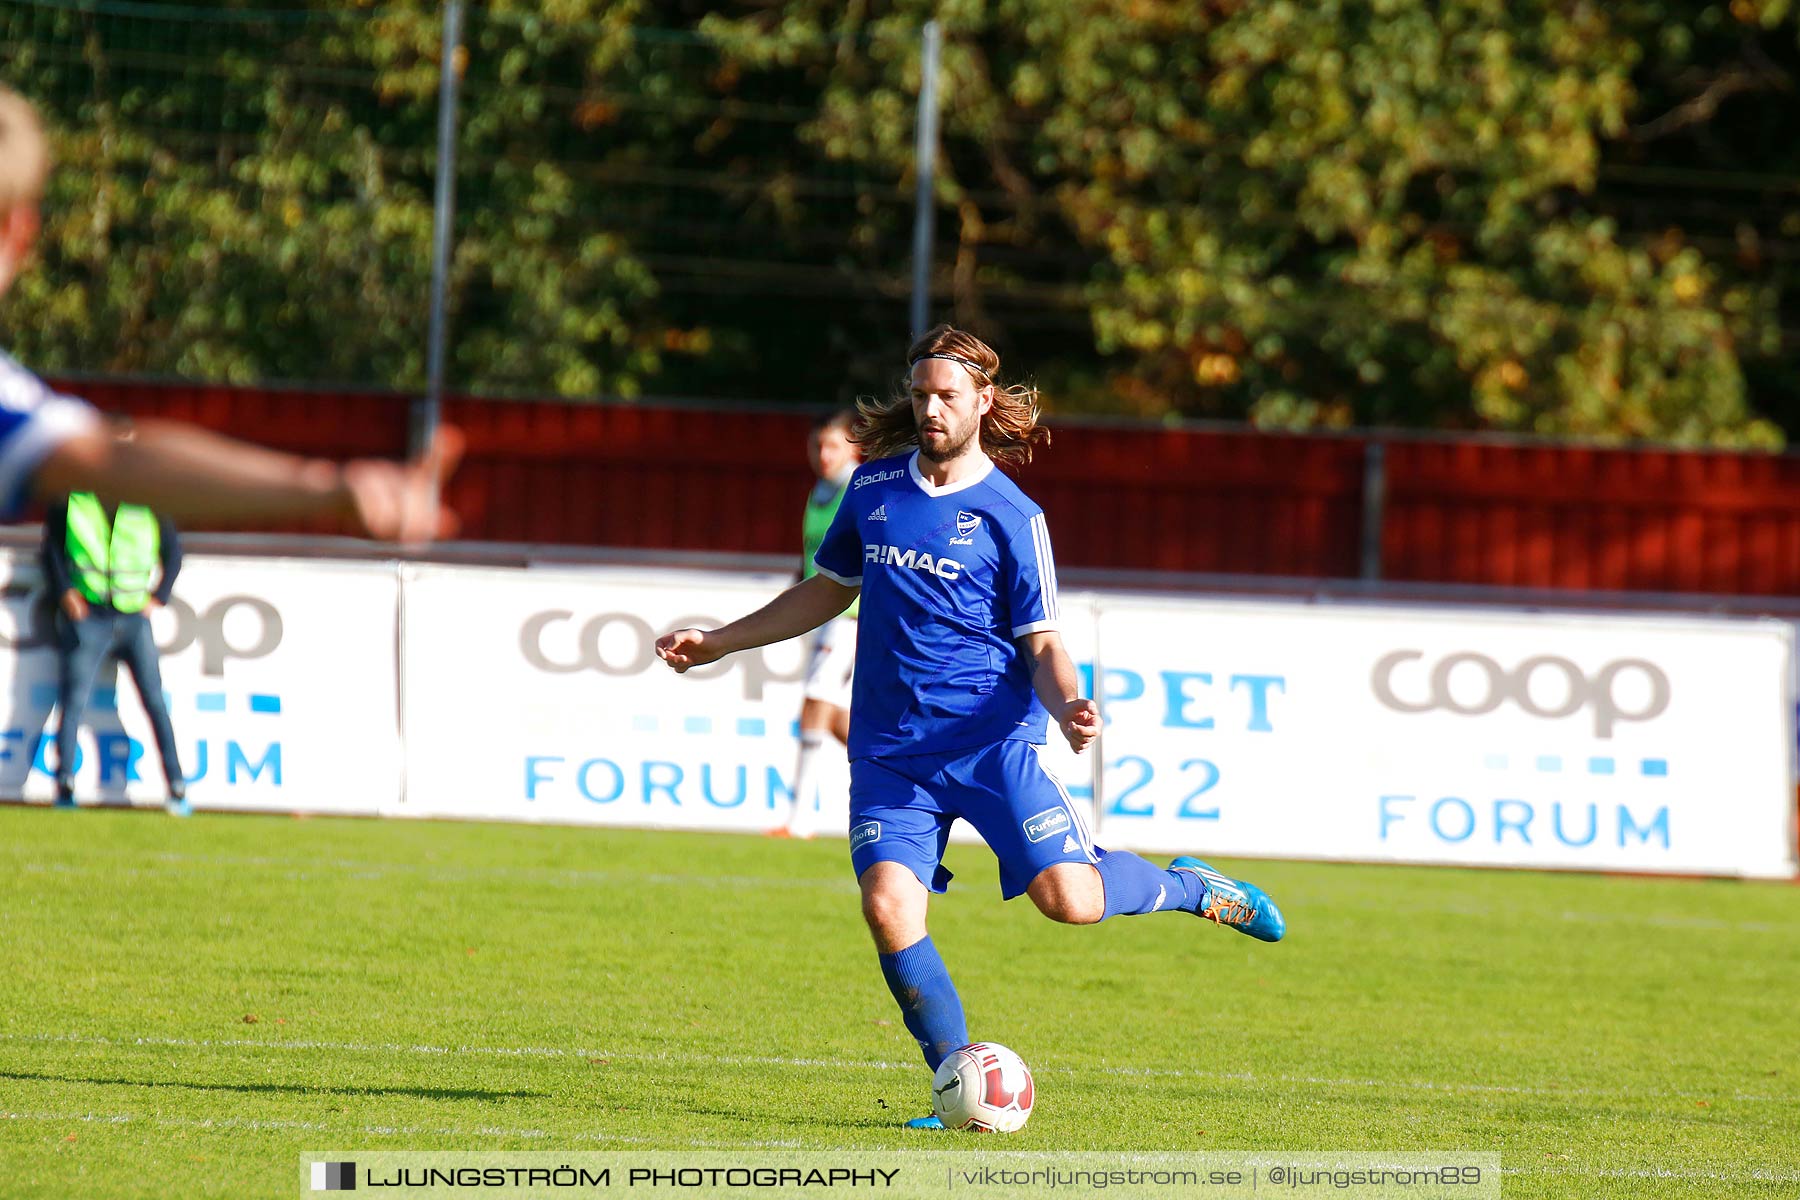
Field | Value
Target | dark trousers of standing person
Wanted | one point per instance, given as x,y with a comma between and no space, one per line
81,647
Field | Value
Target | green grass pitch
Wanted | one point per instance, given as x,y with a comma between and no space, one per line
197,1002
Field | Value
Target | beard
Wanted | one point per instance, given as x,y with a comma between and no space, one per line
952,443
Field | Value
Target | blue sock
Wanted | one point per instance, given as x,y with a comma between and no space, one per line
928,1001
1136,885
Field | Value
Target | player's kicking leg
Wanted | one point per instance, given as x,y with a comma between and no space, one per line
1233,902
1120,883
1041,837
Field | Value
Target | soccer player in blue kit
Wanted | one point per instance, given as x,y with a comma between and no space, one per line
959,671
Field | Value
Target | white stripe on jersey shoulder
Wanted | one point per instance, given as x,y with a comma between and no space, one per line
930,489
1040,539
854,581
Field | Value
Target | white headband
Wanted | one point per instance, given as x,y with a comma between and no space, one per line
955,358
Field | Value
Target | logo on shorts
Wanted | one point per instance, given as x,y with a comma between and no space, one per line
1046,824
862,835
966,525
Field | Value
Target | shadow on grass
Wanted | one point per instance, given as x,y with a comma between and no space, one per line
298,1089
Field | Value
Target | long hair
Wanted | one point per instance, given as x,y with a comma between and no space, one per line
1010,429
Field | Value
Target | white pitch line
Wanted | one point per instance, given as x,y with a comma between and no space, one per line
1664,921
1651,920
1424,1085
495,1051
561,876
567,877
1752,1175
265,1125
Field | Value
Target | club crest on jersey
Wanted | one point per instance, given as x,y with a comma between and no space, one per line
912,560
1046,824
966,525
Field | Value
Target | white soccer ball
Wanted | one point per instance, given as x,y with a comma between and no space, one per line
985,1088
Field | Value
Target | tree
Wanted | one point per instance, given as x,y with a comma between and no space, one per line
1325,214
1565,218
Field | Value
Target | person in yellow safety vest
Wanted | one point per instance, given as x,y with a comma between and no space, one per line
99,562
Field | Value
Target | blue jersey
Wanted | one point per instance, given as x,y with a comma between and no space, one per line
33,421
951,578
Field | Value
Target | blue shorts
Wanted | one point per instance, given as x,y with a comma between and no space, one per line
902,806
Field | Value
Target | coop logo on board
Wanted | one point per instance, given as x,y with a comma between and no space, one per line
1472,684
622,643
241,627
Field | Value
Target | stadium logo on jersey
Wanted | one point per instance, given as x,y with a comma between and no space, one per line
862,835
1046,824
877,477
912,560
879,514
966,525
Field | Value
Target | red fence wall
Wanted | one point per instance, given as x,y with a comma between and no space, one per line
1183,500
1480,512
1578,517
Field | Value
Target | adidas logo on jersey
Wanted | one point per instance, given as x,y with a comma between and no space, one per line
1069,846
879,514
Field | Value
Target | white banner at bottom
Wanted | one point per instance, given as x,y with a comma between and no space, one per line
983,1173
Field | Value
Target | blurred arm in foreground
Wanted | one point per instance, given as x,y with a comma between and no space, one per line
195,476
51,445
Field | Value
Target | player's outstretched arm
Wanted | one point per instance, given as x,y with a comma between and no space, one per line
193,476
803,607
1058,687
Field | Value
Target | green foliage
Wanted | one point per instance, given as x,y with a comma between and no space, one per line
1348,213
250,197
1538,217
